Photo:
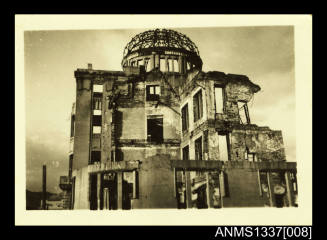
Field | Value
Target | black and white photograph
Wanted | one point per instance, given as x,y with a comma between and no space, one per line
171,118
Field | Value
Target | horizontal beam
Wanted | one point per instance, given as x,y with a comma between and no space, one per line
219,165
113,166
196,164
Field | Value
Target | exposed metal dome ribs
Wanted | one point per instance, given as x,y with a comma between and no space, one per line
160,38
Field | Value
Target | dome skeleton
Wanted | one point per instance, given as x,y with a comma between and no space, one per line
161,38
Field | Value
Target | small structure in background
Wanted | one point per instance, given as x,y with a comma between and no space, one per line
44,187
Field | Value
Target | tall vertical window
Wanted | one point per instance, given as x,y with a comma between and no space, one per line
198,106
219,99
185,117
163,65
176,65
243,112
170,65
155,129
146,64
198,148
97,102
186,154
223,146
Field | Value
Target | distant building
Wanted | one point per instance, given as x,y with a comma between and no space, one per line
164,134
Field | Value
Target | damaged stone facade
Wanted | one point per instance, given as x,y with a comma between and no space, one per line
164,134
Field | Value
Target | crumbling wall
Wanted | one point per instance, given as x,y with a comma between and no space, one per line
156,182
266,144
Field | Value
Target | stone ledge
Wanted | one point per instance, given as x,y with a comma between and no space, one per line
113,166
214,165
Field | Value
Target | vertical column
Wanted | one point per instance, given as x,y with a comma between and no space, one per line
98,189
156,61
209,192
172,65
271,194
188,189
89,182
175,189
184,64
152,62
106,198
289,189
166,64
44,188
180,64
259,182
120,190
73,195
220,190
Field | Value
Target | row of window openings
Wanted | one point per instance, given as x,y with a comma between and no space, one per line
223,143
142,62
153,93
223,149
154,127
197,110
170,66
219,108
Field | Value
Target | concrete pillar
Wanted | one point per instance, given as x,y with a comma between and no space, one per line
73,194
259,182
289,189
166,64
98,190
271,193
175,189
44,187
152,62
220,191
188,189
180,64
106,198
172,65
184,64
209,192
120,190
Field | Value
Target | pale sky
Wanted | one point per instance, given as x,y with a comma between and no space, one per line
264,54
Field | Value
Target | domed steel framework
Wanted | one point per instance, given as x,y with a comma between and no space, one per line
162,42
161,38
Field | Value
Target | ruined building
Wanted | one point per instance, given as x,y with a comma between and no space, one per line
164,134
